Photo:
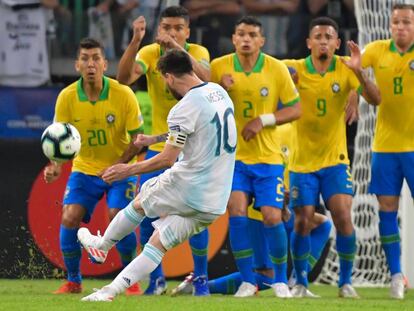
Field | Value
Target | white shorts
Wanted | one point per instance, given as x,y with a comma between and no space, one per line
178,222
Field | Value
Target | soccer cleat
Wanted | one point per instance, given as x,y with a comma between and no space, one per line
156,287
134,290
99,295
246,289
185,287
200,286
281,290
91,244
69,288
347,291
397,286
300,291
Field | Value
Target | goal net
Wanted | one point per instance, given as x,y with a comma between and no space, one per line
370,268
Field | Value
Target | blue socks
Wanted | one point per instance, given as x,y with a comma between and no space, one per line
346,247
228,284
241,247
71,252
277,239
390,240
127,248
318,237
300,248
199,249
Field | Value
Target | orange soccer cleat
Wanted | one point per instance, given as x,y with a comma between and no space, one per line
69,288
134,290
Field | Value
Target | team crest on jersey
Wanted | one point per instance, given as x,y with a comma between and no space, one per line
110,118
264,91
411,64
335,87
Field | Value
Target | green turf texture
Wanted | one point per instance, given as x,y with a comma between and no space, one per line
36,295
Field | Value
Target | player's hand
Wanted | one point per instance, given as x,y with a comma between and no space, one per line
226,81
116,172
167,42
353,63
286,214
143,140
351,109
251,129
139,25
52,172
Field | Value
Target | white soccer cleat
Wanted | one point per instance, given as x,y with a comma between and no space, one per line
185,287
347,291
281,290
300,291
397,286
91,243
99,295
246,289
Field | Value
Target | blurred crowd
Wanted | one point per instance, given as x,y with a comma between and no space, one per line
67,21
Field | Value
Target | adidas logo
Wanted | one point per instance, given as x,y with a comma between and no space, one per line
128,281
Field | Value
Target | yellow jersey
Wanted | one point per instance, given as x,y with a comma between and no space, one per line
255,93
394,75
161,98
105,126
320,133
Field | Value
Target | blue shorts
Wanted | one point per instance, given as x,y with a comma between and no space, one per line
144,177
264,182
388,171
87,190
305,188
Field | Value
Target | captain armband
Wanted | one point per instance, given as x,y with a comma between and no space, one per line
268,119
176,138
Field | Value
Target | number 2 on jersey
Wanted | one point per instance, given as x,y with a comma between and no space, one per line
225,129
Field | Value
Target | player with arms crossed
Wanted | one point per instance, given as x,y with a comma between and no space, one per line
256,82
173,31
319,162
393,148
193,192
107,116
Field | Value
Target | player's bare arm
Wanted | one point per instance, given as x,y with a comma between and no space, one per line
143,140
369,90
52,172
351,109
165,159
128,70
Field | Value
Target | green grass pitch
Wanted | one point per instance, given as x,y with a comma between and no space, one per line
36,295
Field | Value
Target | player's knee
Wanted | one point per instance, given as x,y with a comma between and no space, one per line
236,209
271,216
72,216
155,241
343,223
302,225
138,207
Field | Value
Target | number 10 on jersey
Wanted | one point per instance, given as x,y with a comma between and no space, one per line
223,133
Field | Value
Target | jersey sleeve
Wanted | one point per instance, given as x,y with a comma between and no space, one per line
215,72
62,111
143,58
134,118
288,92
183,117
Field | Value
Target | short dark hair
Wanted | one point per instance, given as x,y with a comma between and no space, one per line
249,20
176,11
402,6
90,43
323,21
175,62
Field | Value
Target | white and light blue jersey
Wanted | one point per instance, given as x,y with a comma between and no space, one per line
203,176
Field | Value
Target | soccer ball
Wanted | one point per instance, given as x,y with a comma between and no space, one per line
61,142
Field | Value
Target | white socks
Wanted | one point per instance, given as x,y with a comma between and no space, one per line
123,224
137,269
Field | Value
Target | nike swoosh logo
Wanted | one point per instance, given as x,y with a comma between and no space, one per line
77,120
279,199
382,67
349,186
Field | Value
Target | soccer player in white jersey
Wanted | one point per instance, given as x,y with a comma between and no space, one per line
192,193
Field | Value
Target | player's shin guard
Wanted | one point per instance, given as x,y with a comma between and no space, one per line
390,240
241,247
127,248
300,247
346,247
318,237
199,249
276,236
138,269
71,251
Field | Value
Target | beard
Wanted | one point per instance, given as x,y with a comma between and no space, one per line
323,57
174,93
